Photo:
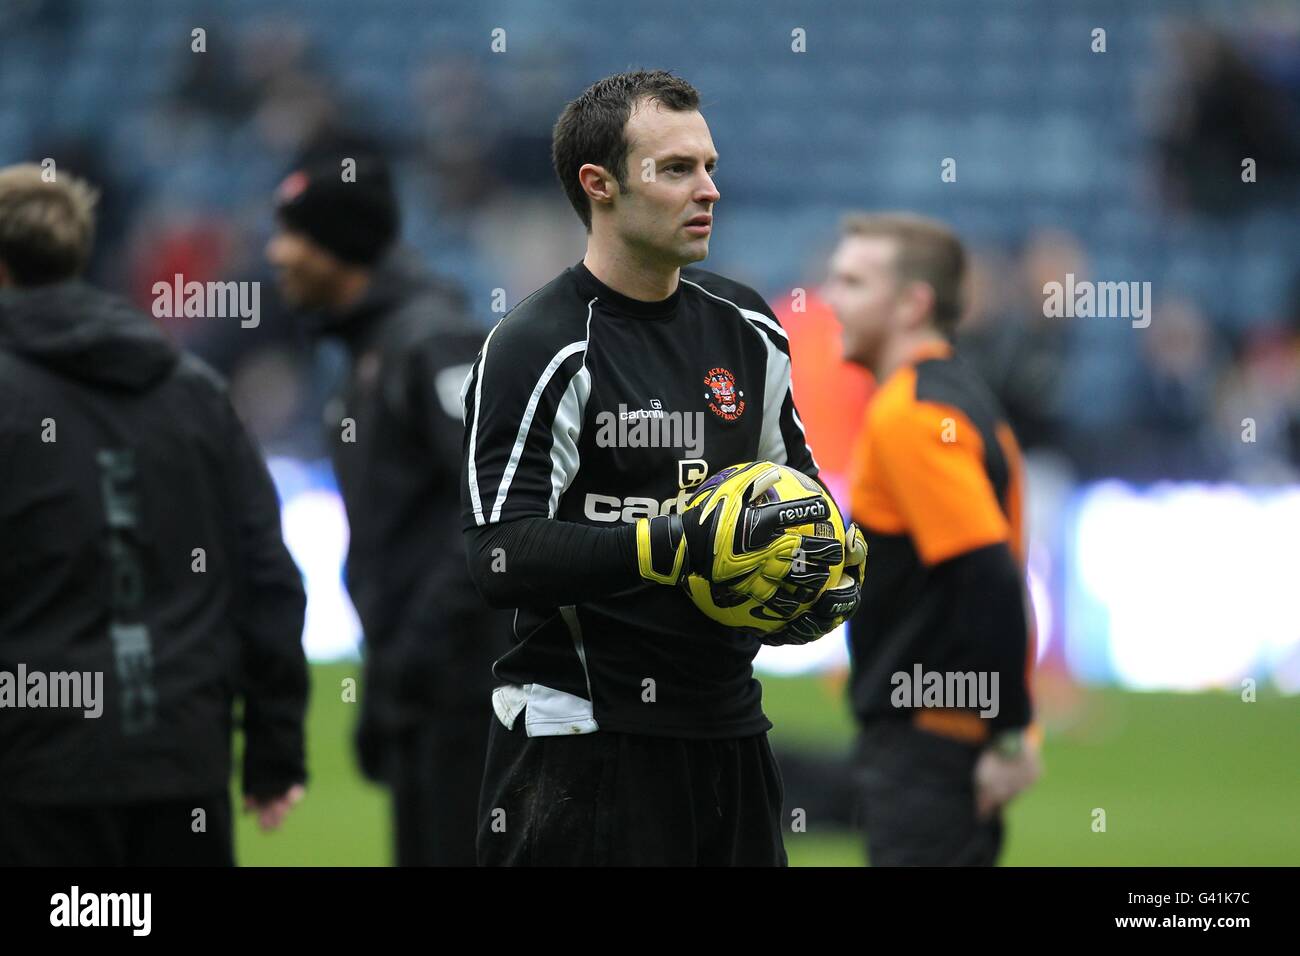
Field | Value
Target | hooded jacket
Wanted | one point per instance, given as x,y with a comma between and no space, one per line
430,638
140,542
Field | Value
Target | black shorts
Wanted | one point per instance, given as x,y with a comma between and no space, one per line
916,799
162,833
616,799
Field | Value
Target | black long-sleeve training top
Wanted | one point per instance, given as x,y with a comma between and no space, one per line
584,411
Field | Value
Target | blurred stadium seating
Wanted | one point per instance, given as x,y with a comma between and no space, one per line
1045,131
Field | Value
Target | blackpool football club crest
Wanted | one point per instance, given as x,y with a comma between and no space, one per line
724,398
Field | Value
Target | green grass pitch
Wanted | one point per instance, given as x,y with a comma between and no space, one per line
1184,779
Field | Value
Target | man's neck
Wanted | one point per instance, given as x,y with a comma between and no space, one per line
351,288
625,274
903,349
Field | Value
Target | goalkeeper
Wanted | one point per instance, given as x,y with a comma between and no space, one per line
628,727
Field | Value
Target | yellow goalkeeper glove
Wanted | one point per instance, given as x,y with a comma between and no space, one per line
727,537
836,605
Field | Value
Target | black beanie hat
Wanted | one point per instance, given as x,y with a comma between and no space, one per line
355,219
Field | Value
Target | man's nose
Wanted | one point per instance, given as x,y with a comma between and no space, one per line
708,192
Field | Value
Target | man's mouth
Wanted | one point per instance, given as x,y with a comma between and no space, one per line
700,225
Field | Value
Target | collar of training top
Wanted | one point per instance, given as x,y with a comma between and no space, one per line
929,350
626,305
396,278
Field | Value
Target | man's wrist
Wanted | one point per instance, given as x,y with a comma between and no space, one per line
661,548
1009,743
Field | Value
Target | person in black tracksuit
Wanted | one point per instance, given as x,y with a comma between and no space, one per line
394,432
141,542
628,728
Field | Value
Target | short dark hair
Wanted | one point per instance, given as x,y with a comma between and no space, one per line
593,128
928,251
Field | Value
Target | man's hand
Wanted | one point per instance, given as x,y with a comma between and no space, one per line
728,537
1000,776
784,588
272,810
835,606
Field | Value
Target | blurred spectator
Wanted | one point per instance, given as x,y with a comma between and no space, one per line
52,21
458,131
1017,350
1258,414
1218,110
212,84
1174,438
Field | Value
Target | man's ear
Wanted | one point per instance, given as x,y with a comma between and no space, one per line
920,304
597,183
6,277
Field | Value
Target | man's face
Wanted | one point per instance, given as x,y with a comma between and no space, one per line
665,211
863,290
308,276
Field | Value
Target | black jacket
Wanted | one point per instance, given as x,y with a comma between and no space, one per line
119,457
430,639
